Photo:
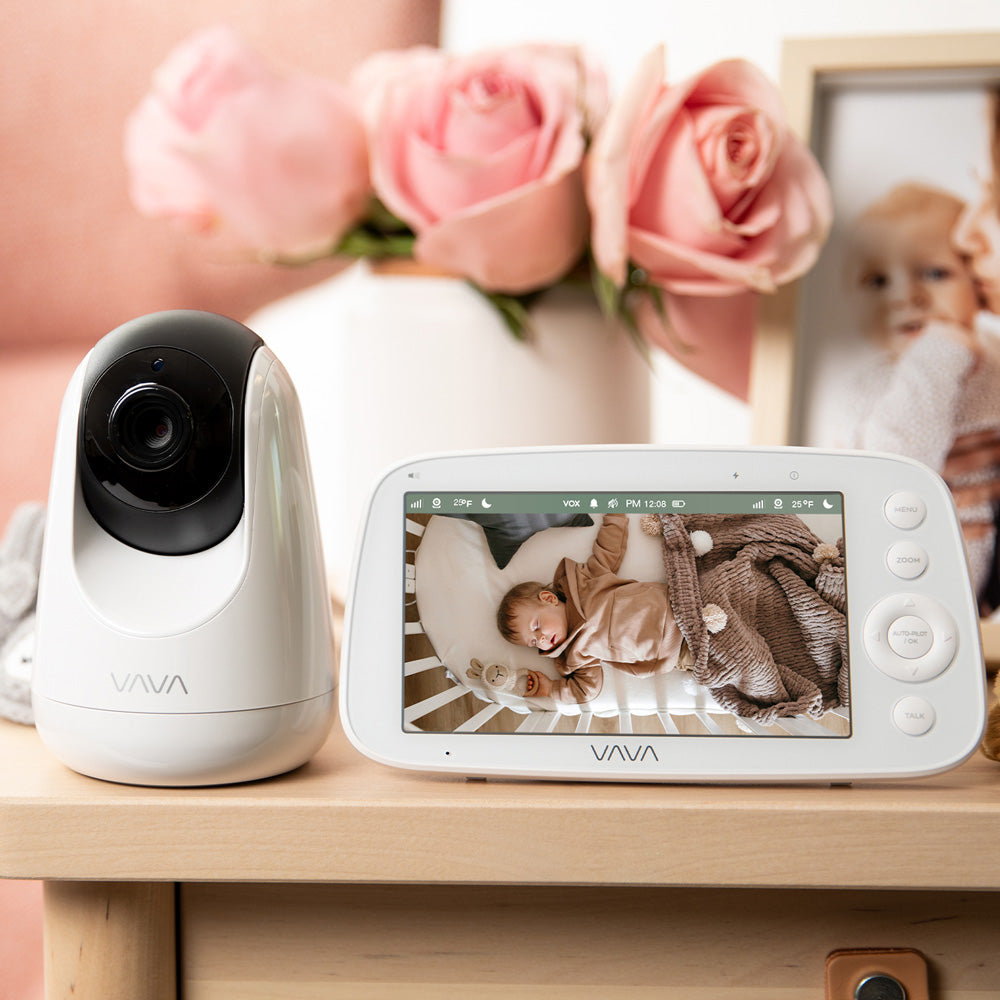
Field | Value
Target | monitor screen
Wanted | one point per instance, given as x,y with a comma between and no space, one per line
662,614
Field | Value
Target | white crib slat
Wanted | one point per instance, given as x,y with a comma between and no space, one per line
551,721
414,628
480,718
625,723
583,723
660,691
414,527
752,726
669,726
412,667
709,723
436,701
531,723
802,725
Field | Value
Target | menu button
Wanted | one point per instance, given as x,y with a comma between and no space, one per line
905,510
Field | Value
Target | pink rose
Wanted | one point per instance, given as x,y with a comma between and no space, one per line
480,155
704,187
223,139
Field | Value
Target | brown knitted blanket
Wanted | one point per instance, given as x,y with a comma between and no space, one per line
782,649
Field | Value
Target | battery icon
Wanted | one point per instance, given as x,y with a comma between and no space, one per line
678,503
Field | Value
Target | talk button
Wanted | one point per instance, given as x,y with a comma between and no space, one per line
913,716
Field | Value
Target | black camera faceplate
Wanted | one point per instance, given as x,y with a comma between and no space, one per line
161,429
202,461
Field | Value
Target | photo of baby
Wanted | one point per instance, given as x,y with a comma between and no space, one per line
730,624
936,376
897,343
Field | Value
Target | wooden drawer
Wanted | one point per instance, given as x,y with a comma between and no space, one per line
355,942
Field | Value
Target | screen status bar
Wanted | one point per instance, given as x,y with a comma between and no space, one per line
623,503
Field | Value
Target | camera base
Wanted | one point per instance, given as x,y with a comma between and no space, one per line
184,750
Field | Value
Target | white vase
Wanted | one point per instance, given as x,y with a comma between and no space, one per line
392,365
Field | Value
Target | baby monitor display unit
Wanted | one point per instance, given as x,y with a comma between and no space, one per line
184,624
647,614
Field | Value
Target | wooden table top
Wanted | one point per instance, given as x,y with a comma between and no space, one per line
343,818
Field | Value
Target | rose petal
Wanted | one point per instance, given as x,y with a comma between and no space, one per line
719,332
485,115
163,182
287,165
739,147
735,82
607,182
800,192
445,184
686,270
676,198
478,243
204,71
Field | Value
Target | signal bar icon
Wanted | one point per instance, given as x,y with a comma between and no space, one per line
758,505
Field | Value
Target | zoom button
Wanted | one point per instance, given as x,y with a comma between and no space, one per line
907,560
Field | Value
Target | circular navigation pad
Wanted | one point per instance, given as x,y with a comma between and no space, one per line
910,637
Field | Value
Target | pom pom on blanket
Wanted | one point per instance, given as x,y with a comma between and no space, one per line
824,552
702,542
651,524
714,618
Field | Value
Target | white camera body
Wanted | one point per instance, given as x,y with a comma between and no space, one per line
184,620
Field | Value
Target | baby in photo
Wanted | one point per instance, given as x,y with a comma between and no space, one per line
588,615
936,376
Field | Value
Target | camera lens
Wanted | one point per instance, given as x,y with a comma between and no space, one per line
150,426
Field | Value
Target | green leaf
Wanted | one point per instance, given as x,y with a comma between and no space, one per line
607,293
626,317
362,242
514,310
382,220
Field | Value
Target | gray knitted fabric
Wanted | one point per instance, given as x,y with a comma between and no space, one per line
20,557
783,648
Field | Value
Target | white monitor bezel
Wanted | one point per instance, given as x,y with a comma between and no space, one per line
371,682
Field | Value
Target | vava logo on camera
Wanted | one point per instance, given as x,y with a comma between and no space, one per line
148,684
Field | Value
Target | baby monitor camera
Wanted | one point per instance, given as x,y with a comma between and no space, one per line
184,622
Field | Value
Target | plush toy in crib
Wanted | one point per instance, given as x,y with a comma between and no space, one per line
503,679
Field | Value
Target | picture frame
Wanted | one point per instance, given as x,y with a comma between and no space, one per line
876,111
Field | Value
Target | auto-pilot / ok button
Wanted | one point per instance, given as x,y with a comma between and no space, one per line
910,637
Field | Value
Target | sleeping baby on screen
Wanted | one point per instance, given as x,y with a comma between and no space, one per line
588,616
936,377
